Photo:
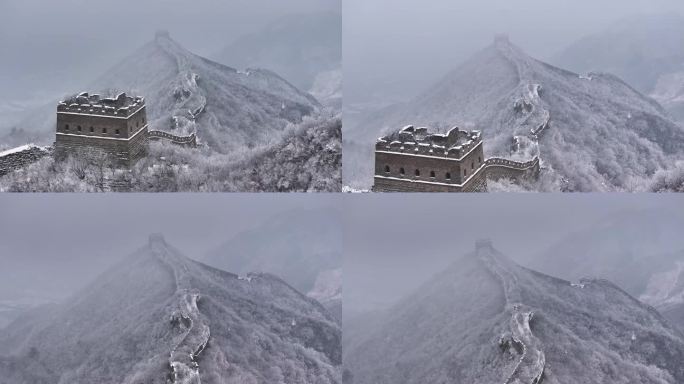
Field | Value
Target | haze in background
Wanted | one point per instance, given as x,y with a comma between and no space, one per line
395,243
51,245
50,47
395,49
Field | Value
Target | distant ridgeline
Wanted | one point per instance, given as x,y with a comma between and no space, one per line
414,160
116,127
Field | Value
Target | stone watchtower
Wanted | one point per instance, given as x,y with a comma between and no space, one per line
414,160
116,126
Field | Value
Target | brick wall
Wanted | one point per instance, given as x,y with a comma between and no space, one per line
16,160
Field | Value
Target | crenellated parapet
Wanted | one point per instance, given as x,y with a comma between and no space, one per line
453,144
120,106
190,140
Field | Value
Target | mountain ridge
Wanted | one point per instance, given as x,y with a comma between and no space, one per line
165,317
486,319
588,129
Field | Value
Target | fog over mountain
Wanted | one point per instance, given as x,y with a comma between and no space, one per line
50,270
593,132
50,49
428,302
627,250
160,317
302,247
185,93
395,75
257,131
298,47
393,50
486,319
117,314
645,51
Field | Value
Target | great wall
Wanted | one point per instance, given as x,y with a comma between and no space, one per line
19,157
190,140
414,160
187,318
117,126
530,367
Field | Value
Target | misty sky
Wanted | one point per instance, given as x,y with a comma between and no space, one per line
46,45
56,243
399,47
395,242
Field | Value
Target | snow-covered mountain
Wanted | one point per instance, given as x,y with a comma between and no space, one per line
298,47
302,247
158,317
642,253
487,320
595,132
186,93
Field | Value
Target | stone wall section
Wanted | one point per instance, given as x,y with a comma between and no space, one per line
15,160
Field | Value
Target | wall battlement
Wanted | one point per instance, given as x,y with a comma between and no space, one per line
190,140
120,106
454,144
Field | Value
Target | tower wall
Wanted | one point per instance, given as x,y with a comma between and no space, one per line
450,174
118,127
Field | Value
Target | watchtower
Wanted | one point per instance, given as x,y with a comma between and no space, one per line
117,126
415,160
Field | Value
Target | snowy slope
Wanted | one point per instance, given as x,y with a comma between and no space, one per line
159,317
298,47
646,51
640,253
302,247
186,93
487,320
595,132
638,49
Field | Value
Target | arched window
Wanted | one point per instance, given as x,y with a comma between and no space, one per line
417,172
104,130
448,176
401,170
432,174
479,159
66,127
79,128
92,129
387,169
465,172
472,165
